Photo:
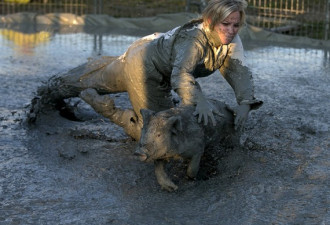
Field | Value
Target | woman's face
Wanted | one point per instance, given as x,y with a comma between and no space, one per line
228,28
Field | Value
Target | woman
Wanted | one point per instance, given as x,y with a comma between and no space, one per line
156,64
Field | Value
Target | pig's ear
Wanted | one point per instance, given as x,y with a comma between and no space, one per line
175,124
146,114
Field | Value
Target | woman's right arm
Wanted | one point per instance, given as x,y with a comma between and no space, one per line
187,52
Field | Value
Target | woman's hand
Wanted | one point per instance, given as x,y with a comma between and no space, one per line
241,115
205,109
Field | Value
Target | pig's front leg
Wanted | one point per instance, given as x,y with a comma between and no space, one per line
162,177
193,166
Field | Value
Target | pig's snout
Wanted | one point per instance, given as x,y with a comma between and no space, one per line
140,154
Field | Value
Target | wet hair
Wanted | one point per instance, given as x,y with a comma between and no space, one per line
218,10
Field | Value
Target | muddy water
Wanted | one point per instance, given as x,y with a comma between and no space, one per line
67,172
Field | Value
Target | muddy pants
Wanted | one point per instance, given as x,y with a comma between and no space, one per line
133,73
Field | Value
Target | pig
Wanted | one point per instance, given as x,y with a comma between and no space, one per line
176,133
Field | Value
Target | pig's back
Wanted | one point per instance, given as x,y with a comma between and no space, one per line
224,129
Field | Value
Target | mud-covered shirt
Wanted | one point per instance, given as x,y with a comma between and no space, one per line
186,53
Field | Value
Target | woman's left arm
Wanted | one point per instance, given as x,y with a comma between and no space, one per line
239,76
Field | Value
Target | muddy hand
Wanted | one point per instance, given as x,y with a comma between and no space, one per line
205,109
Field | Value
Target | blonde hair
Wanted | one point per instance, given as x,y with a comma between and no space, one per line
218,10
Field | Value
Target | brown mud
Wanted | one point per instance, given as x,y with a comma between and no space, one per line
68,172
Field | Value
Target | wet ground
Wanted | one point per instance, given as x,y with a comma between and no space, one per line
68,172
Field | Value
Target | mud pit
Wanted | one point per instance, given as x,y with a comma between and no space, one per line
71,172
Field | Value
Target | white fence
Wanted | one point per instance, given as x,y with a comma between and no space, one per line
295,17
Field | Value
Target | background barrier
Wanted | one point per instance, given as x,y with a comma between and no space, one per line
307,18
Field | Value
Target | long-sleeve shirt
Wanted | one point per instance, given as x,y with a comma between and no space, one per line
186,53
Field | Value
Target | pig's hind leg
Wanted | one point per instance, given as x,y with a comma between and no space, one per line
162,178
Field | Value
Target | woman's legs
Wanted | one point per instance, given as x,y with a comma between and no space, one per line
70,84
132,72
111,79
144,88
108,79
88,75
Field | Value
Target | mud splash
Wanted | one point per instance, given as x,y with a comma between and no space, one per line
67,172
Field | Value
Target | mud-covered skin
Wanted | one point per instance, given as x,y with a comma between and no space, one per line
176,133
